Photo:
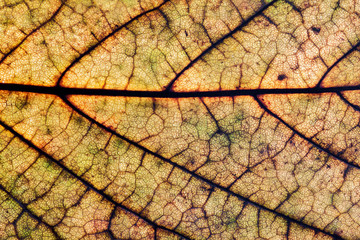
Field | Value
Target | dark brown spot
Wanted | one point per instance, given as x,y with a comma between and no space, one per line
282,77
316,30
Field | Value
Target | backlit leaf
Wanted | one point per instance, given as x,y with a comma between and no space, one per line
146,119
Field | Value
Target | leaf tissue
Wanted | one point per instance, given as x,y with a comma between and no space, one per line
179,119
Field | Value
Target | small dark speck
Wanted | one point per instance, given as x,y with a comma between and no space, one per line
186,34
316,30
282,77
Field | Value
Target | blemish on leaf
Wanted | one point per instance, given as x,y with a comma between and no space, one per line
119,143
48,131
239,117
316,30
46,164
192,161
93,149
78,120
21,102
159,163
282,77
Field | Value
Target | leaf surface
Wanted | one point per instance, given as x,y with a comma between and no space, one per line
180,120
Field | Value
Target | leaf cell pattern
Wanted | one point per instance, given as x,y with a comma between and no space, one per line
173,119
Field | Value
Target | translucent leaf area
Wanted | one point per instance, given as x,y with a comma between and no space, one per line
176,119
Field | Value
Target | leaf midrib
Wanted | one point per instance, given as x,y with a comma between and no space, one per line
62,91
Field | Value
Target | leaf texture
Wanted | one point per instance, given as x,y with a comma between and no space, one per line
232,119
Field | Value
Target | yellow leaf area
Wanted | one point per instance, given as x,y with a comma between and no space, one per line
202,119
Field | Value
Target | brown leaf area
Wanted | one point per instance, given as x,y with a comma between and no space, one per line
202,119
